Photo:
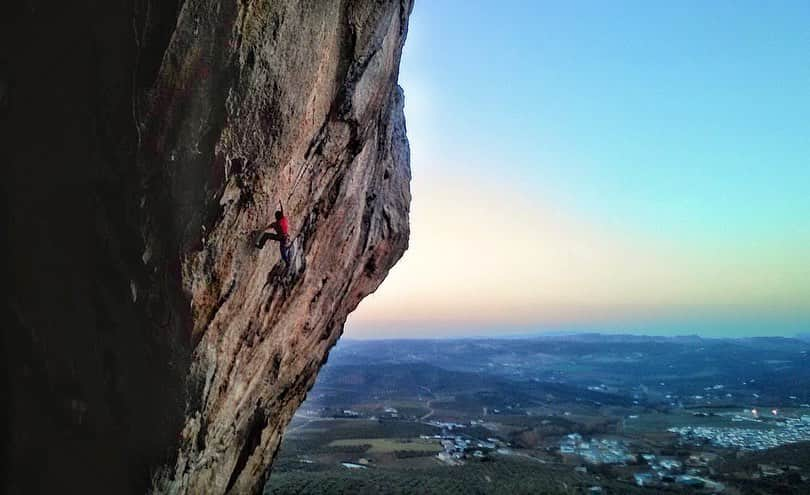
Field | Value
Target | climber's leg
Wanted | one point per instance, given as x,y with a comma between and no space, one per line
284,249
265,237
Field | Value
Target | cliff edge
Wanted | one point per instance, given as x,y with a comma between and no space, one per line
150,346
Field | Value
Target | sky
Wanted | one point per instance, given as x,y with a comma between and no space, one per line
638,167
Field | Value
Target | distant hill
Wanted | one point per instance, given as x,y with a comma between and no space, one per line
408,380
751,370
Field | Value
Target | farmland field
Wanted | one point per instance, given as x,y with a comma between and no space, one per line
510,420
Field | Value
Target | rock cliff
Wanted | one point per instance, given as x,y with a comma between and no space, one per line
150,347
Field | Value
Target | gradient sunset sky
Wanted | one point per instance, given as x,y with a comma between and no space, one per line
637,167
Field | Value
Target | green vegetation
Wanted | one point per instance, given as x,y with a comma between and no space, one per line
617,388
386,445
364,428
507,476
792,460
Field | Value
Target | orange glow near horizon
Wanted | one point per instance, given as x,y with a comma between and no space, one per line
483,254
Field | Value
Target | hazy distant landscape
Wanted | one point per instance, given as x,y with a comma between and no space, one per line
582,413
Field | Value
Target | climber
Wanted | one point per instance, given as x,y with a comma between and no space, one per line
282,235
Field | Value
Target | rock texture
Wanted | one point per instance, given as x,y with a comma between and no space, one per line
149,346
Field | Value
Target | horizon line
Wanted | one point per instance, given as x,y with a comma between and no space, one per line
553,334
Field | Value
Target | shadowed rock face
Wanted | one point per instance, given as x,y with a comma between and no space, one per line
149,346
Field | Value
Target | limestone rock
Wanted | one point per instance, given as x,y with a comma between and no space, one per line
150,346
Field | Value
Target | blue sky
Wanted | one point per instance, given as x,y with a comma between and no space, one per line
679,127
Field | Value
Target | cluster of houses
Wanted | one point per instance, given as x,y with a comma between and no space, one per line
769,470
787,430
664,471
660,471
456,448
388,413
602,451
447,425
651,479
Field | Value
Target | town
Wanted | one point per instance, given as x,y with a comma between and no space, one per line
788,430
587,414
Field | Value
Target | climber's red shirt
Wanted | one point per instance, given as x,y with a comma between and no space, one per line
282,226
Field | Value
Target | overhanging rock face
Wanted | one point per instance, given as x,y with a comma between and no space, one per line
151,346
